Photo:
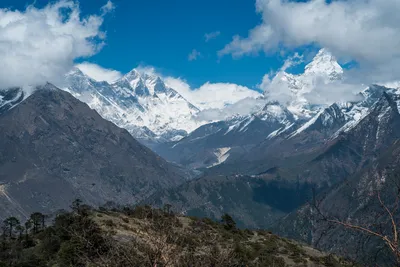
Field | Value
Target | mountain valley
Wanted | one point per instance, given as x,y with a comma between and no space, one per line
88,141
261,133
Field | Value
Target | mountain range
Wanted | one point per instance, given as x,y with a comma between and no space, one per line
242,138
340,160
88,140
139,102
160,117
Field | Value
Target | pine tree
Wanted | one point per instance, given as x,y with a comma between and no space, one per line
37,219
12,223
228,222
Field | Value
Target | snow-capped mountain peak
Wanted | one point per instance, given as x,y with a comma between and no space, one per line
139,102
295,89
324,63
144,84
142,100
76,72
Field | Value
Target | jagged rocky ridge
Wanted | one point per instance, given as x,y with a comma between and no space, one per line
162,119
141,103
300,124
156,114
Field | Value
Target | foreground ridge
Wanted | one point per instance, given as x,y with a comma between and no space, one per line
143,236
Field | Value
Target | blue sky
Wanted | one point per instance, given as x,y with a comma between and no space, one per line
163,33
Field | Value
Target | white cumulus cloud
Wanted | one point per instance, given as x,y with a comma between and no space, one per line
366,31
99,73
272,84
242,107
330,93
207,96
211,95
217,101
40,45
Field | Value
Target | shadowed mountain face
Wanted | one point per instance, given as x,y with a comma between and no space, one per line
54,149
324,151
354,201
253,201
280,182
370,153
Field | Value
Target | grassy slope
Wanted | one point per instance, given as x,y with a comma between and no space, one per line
202,238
